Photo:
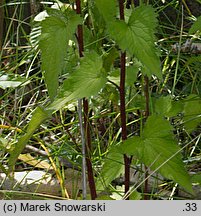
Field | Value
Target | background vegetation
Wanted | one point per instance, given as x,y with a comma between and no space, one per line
100,99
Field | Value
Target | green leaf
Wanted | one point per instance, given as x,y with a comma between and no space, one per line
113,166
157,148
38,117
109,58
157,127
137,37
166,106
196,26
107,9
131,74
192,112
132,146
196,178
115,76
85,81
135,196
57,30
137,102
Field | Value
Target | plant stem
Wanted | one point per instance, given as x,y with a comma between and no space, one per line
86,149
91,180
79,30
84,181
147,112
123,106
81,49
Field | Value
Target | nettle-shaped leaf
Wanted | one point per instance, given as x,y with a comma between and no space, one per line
190,107
87,80
167,106
157,149
57,29
113,166
136,35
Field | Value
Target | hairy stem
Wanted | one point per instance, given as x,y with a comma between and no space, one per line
122,104
91,180
80,30
87,145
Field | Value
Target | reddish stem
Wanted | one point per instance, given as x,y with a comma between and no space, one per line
121,9
123,105
80,30
91,180
122,96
